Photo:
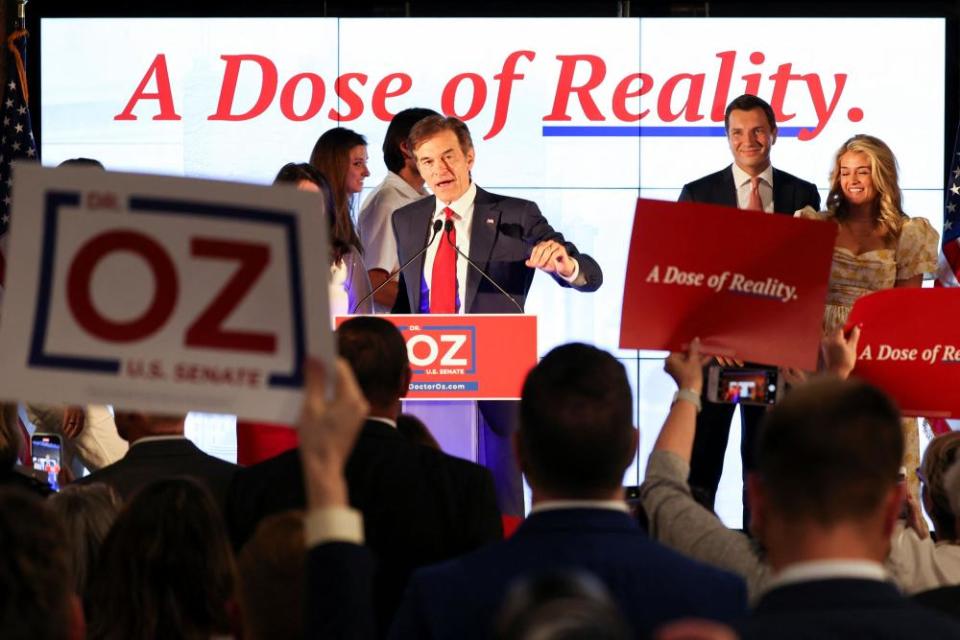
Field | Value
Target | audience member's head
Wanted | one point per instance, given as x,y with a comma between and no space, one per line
951,482
576,436
560,605
396,150
828,459
87,512
306,177
271,573
166,569
36,594
377,354
341,155
940,455
413,429
133,425
82,162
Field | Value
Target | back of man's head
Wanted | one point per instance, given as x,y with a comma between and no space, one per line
576,433
397,133
134,425
272,578
377,353
36,596
829,453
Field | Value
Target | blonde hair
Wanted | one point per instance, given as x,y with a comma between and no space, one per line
883,172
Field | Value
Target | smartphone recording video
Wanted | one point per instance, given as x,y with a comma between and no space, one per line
46,456
744,385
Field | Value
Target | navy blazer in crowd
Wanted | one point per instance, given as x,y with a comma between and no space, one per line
147,462
843,608
790,193
419,505
650,583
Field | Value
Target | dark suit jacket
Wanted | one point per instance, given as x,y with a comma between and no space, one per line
338,601
843,608
790,193
503,231
945,599
419,505
147,462
650,583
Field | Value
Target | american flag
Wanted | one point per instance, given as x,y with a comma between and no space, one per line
948,271
948,267
16,134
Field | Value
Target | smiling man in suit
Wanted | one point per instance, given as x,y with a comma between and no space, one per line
750,183
506,237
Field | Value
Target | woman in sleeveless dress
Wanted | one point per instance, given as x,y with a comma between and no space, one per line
878,245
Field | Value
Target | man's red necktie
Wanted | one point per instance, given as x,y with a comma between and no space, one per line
443,280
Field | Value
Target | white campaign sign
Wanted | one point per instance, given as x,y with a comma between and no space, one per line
163,294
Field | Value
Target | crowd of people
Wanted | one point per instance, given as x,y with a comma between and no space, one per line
362,527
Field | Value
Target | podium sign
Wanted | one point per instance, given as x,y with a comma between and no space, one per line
467,357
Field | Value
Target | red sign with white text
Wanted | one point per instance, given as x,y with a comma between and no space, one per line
910,347
467,357
751,285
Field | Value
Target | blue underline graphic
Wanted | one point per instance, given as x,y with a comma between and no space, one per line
618,131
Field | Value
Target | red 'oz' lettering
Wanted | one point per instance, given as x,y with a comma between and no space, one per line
81,271
207,331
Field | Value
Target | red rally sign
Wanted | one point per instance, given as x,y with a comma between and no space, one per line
476,357
910,347
751,285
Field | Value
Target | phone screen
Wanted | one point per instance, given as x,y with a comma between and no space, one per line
46,457
747,385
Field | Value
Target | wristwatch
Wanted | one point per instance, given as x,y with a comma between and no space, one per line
691,396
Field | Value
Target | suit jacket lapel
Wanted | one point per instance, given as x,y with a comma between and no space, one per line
782,194
728,195
483,234
418,230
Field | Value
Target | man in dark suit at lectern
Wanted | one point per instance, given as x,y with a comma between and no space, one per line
750,183
507,238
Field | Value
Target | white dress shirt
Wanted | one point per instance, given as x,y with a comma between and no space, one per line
742,179
829,570
374,224
556,505
462,223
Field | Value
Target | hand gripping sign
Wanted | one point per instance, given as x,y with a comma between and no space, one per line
751,285
910,347
162,294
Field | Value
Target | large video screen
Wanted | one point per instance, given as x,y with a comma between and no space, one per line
580,115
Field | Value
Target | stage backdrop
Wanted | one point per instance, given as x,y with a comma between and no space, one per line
579,115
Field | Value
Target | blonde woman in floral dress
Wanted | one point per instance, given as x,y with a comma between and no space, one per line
878,245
